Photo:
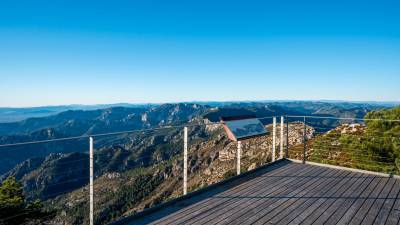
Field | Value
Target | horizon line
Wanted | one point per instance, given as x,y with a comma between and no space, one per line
205,101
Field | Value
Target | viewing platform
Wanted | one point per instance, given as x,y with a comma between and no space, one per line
285,192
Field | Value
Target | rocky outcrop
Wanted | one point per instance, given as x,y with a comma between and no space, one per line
354,128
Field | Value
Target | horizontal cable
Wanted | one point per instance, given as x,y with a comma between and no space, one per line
338,135
349,159
56,194
316,151
356,161
69,181
335,147
365,132
171,127
67,163
70,171
358,138
339,160
44,218
321,128
141,157
14,216
100,135
331,140
341,163
45,141
321,147
343,118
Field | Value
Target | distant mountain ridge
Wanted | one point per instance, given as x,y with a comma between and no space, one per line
82,122
59,169
77,123
10,114
13,114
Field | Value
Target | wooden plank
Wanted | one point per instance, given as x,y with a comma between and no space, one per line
338,190
276,219
334,212
294,217
269,205
288,213
345,219
229,209
270,178
215,200
257,195
363,210
394,215
379,174
317,204
291,194
230,200
266,207
388,204
376,207
255,208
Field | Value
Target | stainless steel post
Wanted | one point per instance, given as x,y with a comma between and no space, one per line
239,149
281,144
273,138
287,137
185,156
305,141
91,152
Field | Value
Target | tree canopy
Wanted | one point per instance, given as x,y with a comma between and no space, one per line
14,209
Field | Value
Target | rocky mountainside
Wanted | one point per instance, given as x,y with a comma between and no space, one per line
212,158
58,173
126,163
121,152
11,115
76,123
103,120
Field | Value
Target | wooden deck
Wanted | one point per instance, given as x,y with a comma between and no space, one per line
288,193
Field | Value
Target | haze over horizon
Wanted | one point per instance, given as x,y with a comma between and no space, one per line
63,52
394,103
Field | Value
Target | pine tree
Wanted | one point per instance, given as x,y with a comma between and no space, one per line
13,207
12,199
11,194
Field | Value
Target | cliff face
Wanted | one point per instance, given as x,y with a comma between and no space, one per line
76,123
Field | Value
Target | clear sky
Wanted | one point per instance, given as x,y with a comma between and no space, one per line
90,52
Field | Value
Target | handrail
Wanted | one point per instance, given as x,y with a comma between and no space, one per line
176,126
343,118
103,134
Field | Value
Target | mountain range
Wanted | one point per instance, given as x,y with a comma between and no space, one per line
85,122
58,171
10,114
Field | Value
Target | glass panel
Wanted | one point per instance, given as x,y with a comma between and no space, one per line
246,128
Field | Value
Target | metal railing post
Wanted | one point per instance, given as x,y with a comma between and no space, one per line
185,158
91,152
239,149
305,141
281,144
273,138
287,137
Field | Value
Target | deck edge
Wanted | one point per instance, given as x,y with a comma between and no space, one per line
346,168
127,219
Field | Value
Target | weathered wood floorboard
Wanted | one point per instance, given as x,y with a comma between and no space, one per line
288,193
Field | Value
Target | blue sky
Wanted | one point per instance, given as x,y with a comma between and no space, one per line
76,52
